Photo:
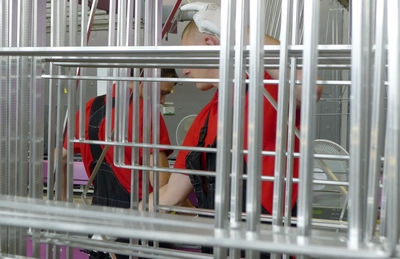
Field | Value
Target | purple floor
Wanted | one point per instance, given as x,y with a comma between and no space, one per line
77,254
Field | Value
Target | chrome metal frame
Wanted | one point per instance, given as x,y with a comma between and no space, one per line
227,228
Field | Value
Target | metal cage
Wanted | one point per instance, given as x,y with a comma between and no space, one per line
363,70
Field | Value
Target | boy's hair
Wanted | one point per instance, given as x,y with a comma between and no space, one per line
190,27
168,72
165,72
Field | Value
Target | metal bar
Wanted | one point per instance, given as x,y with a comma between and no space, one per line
23,102
138,38
4,34
224,130
124,78
109,96
264,153
311,18
156,103
165,51
37,129
292,117
255,138
392,152
359,120
282,111
236,202
378,118
82,71
126,223
12,136
51,117
148,41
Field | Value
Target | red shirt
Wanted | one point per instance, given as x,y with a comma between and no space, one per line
269,135
123,175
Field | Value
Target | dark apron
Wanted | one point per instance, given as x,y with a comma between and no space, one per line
204,186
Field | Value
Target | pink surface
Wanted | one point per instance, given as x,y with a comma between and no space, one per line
77,254
80,176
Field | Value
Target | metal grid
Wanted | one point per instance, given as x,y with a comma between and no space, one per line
372,146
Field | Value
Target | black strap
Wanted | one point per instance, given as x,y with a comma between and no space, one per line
193,160
203,133
96,117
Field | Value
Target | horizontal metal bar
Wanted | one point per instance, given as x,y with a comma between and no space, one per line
157,51
144,145
139,79
117,247
168,170
129,65
213,150
69,217
329,224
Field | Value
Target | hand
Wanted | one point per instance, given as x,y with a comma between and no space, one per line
207,16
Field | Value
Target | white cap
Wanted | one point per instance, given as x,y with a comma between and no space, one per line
207,16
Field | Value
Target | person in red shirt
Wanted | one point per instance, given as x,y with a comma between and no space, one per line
112,184
204,30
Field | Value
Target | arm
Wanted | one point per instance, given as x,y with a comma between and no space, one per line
175,192
162,177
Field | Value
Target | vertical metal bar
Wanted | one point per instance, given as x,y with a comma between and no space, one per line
224,132
301,22
255,120
292,117
60,119
51,117
111,42
138,38
37,128
73,22
73,28
70,148
148,41
124,89
12,127
82,83
11,108
392,152
277,21
135,110
378,119
116,85
156,103
308,105
60,106
25,11
359,120
24,98
4,13
281,124
242,16
52,107
156,106
118,120
129,23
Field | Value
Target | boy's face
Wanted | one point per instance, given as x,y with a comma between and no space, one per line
198,72
165,89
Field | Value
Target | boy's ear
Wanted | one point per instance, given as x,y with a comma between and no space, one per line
210,40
